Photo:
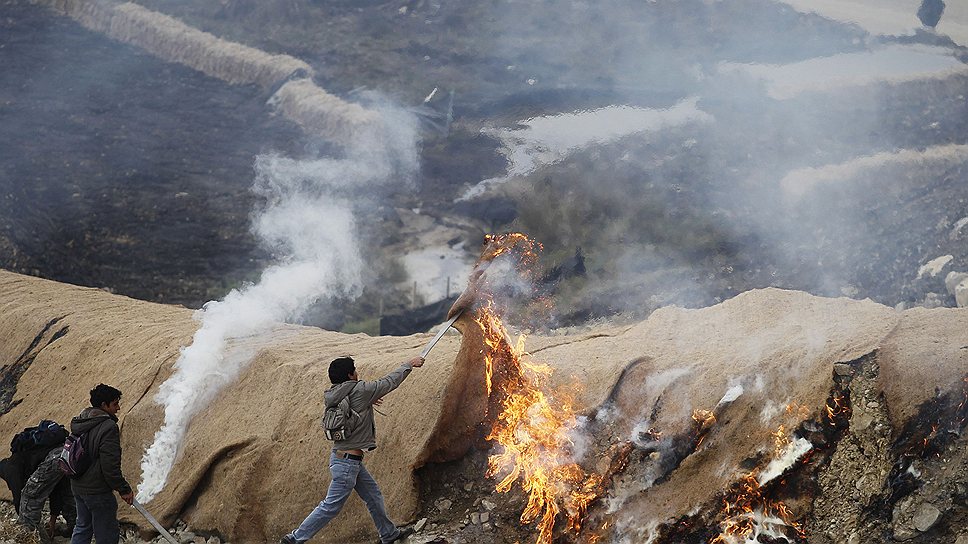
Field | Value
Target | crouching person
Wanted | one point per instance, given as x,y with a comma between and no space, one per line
27,451
48,481
350,445
97,509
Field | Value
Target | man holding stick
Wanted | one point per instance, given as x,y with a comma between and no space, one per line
97,509
346,459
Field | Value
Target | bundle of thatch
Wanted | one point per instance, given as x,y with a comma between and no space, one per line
319,112
253,463
876,168
174,41
301,100
95,15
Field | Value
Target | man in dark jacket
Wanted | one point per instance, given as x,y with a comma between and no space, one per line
346,460
97,509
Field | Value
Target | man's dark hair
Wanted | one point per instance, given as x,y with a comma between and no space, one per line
104,394
340,369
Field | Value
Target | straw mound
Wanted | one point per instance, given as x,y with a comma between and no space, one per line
175,41
299,100
253,463
780,346
319,112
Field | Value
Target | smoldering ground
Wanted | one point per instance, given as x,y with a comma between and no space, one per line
696,213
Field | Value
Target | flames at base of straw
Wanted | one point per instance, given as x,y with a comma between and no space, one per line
532,428
748,511
533,425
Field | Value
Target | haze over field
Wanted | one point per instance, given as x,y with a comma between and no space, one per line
336,164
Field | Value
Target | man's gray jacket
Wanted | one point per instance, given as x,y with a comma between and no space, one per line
103,443
362,394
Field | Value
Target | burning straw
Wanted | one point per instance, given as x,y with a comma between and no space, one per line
532,422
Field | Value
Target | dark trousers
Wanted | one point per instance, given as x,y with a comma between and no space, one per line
97,516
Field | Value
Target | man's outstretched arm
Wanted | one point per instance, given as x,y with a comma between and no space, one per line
391,381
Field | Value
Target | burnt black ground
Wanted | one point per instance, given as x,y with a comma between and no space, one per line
118,170
121,171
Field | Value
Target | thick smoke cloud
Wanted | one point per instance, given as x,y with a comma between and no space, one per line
309,222
693,213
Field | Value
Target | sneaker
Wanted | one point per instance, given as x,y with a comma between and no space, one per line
289,539
402,535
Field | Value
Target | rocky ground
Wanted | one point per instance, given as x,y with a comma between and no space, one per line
461,508
13,533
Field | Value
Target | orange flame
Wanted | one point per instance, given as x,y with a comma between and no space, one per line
496,245
798,410
839,407
780,441
747,508
704,418
531,421
532,428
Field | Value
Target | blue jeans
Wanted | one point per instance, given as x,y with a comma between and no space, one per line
97,516
348,474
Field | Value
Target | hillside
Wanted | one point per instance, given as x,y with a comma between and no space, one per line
876,397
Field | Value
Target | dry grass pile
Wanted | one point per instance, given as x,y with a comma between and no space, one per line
880,168
319,112
12,531
94,15
301,100
175,41
259,439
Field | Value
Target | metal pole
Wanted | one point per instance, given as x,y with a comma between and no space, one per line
154,523
433,341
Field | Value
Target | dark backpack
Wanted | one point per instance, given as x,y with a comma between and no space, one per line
77,456
46,434
75,459
339,420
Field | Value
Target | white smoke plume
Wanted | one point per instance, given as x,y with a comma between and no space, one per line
792,453
308,221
